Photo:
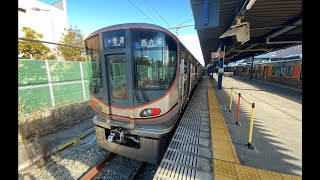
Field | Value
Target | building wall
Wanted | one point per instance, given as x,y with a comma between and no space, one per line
40,21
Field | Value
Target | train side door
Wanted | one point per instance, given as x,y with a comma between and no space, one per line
188,79
181,81
185,80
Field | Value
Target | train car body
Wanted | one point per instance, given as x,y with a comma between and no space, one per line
284,72
142,77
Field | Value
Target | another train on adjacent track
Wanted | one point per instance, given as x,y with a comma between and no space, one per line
142,78
286,72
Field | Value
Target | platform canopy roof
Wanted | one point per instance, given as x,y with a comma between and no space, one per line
273,24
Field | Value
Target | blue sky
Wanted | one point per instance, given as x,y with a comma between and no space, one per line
90,15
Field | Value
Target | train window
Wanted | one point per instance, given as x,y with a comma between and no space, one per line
114,39
284,70
273,70
276,70
290,71
156,59
93,56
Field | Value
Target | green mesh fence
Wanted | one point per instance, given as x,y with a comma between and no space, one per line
64,71
67,84
32,72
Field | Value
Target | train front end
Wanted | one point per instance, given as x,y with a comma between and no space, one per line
134,89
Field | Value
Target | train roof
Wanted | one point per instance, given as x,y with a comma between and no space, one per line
270,62
127,26
140,25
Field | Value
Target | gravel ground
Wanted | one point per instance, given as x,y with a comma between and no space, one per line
121,163
71,163
147,173
74,161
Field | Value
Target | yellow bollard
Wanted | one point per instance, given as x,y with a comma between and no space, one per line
230,100
249,144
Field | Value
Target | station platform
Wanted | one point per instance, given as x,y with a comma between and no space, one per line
208,145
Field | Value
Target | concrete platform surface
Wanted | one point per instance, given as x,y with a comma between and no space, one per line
277,131
28,151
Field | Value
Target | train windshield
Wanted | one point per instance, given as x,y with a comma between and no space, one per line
155,55
93,55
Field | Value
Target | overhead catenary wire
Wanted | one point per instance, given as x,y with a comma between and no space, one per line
141,11
180,38
158,13
165,21
160,17
185,22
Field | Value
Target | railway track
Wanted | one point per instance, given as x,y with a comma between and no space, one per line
110,168
71,162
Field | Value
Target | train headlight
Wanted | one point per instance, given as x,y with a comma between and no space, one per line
150,112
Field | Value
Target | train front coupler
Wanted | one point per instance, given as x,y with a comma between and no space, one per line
116,134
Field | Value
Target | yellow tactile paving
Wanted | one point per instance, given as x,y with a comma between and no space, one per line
219,128
220,137
246,172
223,154
290,177
226,162
269,175
220,177
220,144
222,131
218,123
224,168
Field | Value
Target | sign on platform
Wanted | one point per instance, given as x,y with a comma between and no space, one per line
214,55
221,70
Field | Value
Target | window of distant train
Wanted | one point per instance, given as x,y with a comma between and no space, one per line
114,39
93,56
273,70
290,71
284,70
155,56
278,70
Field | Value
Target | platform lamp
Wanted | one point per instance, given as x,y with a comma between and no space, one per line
38,9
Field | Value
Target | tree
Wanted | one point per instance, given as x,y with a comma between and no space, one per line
72,36
33,50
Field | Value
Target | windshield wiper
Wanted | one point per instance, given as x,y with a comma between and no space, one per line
95,89
111,70
144,95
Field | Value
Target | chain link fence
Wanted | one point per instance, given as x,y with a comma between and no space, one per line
45,84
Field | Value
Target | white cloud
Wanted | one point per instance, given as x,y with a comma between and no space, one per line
191,41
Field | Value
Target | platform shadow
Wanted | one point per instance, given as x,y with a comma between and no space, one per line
269,153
